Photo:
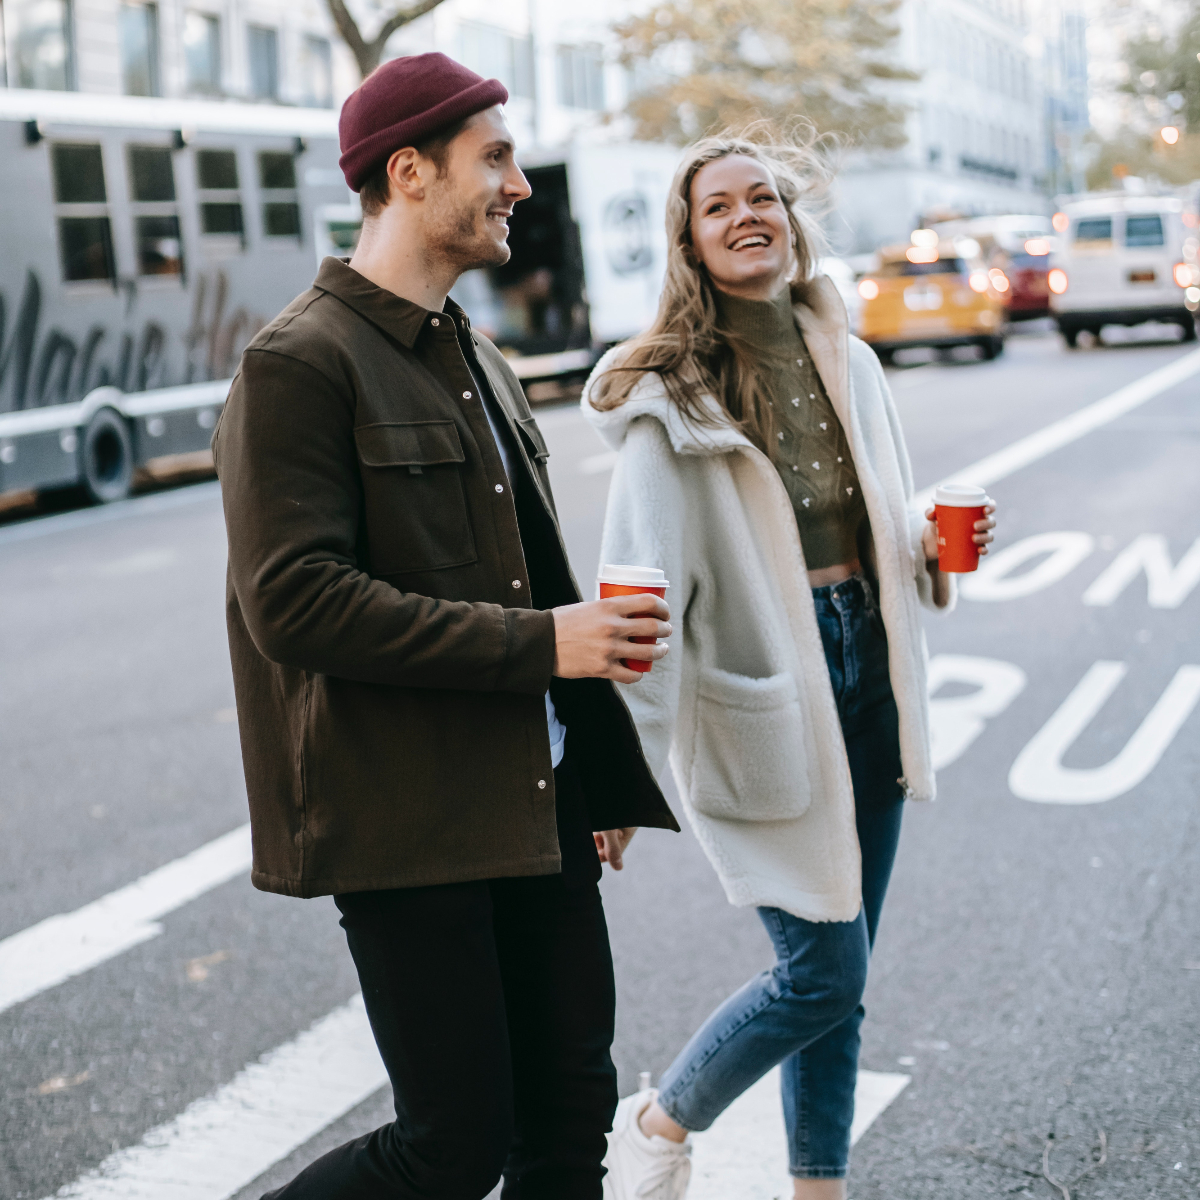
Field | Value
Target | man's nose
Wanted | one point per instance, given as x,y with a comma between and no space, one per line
517,185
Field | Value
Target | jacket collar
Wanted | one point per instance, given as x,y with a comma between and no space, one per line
397,317
821,316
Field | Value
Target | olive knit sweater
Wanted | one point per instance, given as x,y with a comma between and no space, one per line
811,452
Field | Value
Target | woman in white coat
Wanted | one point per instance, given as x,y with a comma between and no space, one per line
763,468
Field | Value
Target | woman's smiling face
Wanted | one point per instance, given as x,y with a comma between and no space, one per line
740,229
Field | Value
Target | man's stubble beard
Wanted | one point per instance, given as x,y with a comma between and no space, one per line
454,238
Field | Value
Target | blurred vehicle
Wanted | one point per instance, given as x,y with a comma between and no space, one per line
588,255
144,243
843,276
1121,260
1020,246
934,292
1191,247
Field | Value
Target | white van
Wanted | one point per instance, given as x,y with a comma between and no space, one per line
1119,261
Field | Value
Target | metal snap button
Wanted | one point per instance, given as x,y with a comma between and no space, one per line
541,783
516,583
434,321
499,487
466,395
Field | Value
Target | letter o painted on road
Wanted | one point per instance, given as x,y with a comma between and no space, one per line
994,580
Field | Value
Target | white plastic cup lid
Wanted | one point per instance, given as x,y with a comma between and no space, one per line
960,495
632,576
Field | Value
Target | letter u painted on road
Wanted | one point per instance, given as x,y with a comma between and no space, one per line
1038,773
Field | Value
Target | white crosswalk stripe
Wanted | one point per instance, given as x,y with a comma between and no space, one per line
54,950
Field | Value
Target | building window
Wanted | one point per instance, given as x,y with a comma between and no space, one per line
220,201
202,52
316,65
81,209
264,62
495,53
581,77
277,180
155,217
38,34
138,25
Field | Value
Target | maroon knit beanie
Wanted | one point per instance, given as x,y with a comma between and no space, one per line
403,102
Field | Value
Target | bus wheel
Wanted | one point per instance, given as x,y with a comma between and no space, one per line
1070,335
992,347
107,457
1189,331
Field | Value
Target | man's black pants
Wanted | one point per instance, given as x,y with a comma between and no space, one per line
492,1006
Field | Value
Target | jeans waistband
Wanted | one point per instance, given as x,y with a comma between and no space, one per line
854,593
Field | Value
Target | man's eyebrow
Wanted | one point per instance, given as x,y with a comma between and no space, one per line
499,144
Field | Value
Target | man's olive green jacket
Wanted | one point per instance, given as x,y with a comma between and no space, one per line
390,635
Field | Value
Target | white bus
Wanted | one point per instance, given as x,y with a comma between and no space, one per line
143,243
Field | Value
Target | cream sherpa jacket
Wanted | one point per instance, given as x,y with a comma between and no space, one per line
742,705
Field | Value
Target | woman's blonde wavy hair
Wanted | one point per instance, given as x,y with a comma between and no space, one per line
686,346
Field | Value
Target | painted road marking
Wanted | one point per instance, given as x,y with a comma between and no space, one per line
62,946
221,1143
956,721
745,1154
218,1145
1029,449
1038,773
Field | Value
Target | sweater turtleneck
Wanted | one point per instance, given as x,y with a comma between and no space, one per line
811,451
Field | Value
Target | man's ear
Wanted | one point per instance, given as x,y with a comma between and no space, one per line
405,171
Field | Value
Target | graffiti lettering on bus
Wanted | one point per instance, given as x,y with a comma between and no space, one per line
57,368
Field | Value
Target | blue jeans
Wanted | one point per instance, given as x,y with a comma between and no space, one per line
805,1012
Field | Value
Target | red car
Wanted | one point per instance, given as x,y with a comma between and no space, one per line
1026,267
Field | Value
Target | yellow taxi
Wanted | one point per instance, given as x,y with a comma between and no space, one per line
934,292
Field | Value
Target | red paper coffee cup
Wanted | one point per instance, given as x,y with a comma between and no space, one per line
617,580
956,508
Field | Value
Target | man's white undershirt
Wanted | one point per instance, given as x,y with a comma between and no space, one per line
558,733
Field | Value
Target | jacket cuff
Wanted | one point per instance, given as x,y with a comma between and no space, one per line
529,651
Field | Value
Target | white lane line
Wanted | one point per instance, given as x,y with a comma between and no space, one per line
596,464
137,506
54,950
745,1154
219,1144
1061,433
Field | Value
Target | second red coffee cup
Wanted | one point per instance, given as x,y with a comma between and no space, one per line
956,508
618,580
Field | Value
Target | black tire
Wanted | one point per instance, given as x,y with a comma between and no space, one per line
1189,330
887,357
107,457
992,348
1070,336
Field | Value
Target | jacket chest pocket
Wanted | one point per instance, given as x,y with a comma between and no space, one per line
416,503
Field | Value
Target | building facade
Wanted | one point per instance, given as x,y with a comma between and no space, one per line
977,125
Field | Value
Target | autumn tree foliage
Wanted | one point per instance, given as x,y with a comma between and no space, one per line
699,65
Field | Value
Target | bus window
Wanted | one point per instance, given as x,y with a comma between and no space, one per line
155,218
220,201
84,228
1144,230
277,179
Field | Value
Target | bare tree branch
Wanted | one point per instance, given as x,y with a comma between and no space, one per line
367,54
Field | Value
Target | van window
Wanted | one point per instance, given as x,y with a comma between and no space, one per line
220,202
1094,229
277,179
1144,230
84,227
155,216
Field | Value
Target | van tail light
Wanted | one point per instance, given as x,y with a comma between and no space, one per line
868,289
1183,274
978,281
999,279
1057,281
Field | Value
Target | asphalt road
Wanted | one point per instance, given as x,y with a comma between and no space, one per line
1038,966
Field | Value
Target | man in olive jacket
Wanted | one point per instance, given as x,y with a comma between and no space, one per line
428,719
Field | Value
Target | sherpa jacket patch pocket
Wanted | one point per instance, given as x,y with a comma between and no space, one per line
750,761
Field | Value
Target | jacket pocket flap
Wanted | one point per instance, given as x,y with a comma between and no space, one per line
533,435
747,693
411,443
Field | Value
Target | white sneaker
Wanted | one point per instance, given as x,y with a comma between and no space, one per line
641,1167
